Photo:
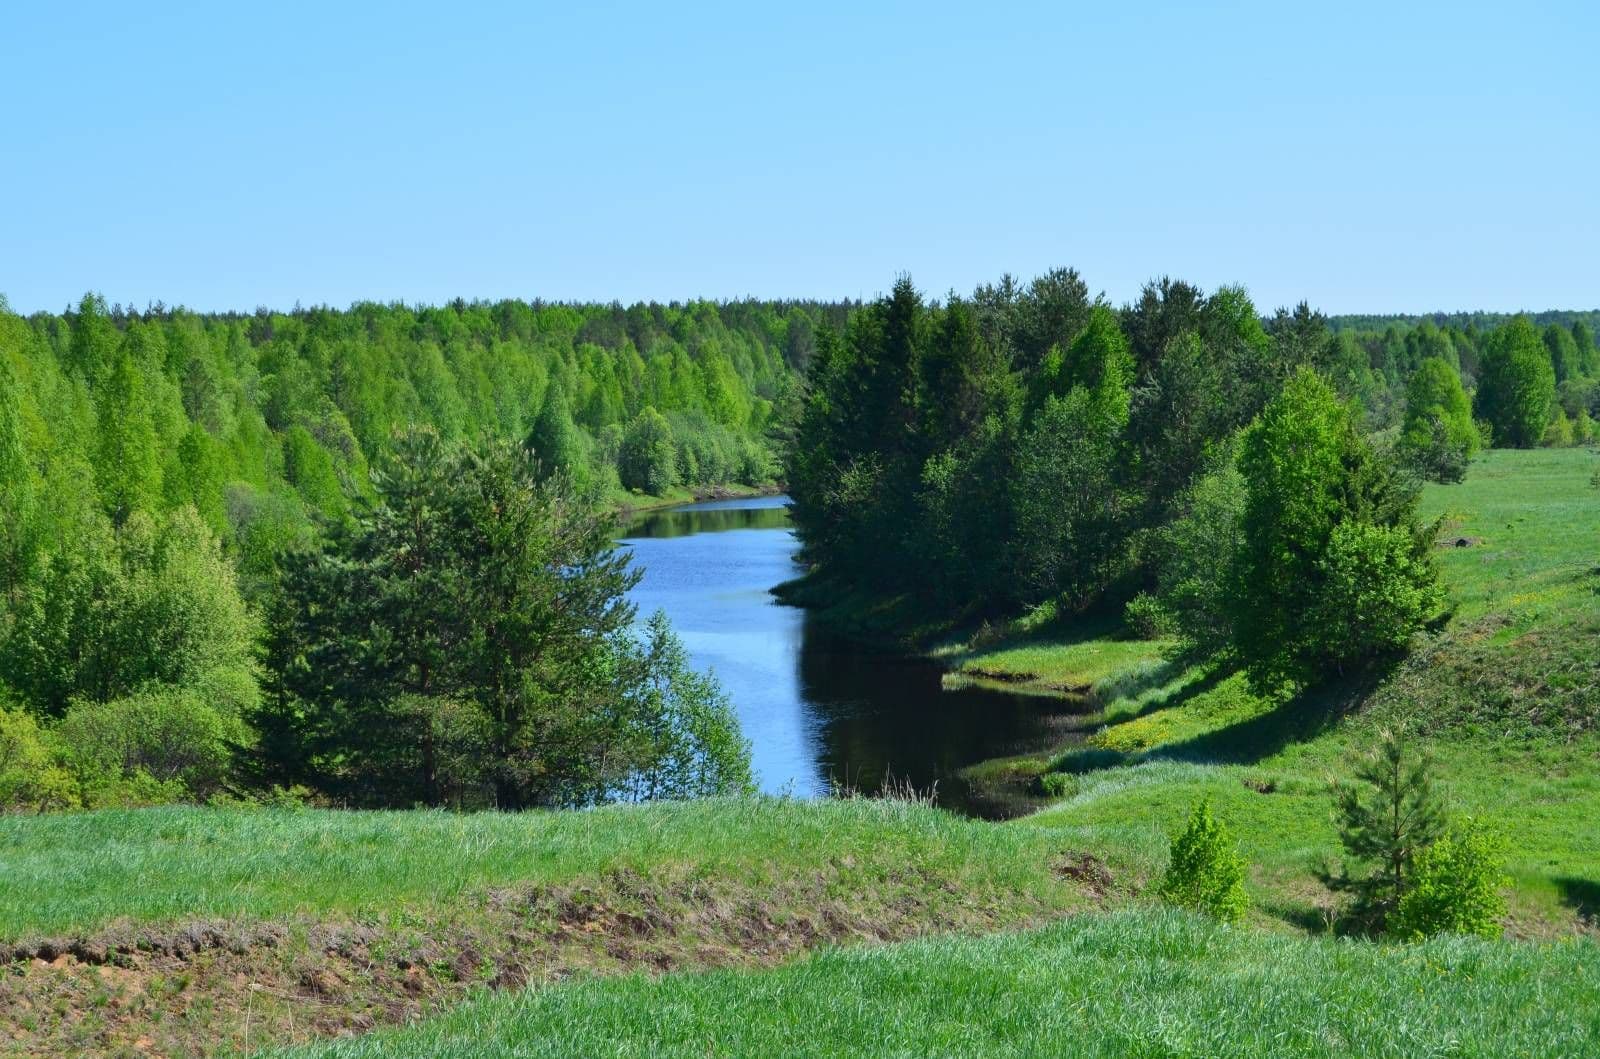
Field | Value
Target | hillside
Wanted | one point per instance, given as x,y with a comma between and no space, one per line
1505,694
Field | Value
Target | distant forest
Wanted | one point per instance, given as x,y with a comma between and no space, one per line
1461,321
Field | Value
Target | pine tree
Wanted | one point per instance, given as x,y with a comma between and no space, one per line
1385,820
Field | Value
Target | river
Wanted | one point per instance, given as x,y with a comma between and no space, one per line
819,711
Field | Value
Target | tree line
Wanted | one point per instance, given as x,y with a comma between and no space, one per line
364,553
1246,483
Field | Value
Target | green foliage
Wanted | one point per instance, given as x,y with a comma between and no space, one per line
555,440
1559,434
1386,818
1438,436
691,743
147,605
30,779
1330,540
1196,553
1455,886
1516,385
648,459
470,644
19,515
1563,350
155,745
1204,872
1583,429
127,465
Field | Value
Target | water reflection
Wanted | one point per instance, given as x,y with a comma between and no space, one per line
818,709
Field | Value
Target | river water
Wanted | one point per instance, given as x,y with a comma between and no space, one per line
819,712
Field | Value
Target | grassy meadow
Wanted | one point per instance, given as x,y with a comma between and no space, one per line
1505,694
1116,985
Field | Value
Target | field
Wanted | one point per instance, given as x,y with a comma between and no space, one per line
1116,985
206,930
1505,695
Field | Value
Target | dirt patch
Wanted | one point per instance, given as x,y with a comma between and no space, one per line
209,987
1088,871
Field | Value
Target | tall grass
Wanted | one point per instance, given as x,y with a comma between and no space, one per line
1127,984
77,872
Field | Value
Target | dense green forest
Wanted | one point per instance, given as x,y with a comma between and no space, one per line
241,553
364,555
1247,483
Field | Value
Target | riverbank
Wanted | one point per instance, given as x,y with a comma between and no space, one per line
627,503
1505,696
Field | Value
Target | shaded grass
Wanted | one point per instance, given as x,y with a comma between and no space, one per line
1127,984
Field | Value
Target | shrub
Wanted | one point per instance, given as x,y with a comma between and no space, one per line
1057,785
160,744
1583,428
29,777
1558,435
1455,887
1146,618
1205,872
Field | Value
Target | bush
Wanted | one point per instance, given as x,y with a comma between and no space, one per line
160,744
1146,618
1205,872
1559,434
29,777
1455,887
1057,785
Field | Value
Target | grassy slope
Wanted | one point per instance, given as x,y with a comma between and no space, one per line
1125,984
208,931
75,873
1506,696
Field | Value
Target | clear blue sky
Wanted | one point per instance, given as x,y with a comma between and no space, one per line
1367,157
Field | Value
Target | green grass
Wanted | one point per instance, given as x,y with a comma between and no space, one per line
77,872
1128,984
1506,696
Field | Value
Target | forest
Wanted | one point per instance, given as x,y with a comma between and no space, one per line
1244,482
364,554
